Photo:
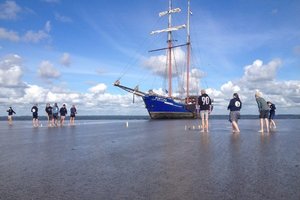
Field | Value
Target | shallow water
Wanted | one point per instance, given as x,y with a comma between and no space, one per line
148,159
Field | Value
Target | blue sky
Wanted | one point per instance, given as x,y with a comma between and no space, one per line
72,51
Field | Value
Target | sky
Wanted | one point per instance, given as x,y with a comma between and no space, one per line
73,51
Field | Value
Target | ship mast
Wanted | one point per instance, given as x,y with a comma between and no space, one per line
169,30
170,51
188,53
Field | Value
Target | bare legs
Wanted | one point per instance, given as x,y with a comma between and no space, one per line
204,119
10,120
272,123
35,122
72,121
235,127
262,125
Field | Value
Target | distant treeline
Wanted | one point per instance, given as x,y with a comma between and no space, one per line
144,117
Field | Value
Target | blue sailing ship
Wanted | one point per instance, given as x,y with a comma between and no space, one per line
169,107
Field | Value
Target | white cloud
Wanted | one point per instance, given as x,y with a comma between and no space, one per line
62,18
37,36
65,60
260,72
9,35
98,89
10,70
47,70
9,10
47,27
230,88
29,36
157,64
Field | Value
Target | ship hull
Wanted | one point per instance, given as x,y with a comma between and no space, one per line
167,108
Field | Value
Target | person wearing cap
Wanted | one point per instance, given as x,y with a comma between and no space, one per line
63,112
10,114
234,106
263,109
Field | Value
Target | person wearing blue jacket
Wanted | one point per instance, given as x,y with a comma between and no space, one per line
234,106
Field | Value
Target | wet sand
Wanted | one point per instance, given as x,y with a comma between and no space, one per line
149,160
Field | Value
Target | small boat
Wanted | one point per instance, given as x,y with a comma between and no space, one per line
169,107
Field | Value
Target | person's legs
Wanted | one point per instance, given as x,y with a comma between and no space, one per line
235,127
62,120
202,121
204,116
261,121
273,123
267,124
10,120
206,121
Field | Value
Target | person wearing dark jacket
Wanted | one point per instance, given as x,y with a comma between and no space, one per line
35,115
10,114
234,106
204,103
271,114
48,110
63,112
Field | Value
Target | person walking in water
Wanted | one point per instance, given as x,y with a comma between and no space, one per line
204,103
272,114
35,116
48,110
234,106
55,111
10,114
263,109
63,111
73,112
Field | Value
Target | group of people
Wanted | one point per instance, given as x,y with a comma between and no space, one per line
266,111
56,116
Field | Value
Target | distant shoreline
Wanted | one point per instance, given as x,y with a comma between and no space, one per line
141,117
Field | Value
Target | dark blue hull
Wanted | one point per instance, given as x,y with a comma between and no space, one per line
167,108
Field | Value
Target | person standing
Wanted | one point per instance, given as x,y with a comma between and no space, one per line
271,114
204,102
55,111
234,106
48,110
263,109
63,111
35,117
10,114
73,112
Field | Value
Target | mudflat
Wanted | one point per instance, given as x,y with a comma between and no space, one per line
148,159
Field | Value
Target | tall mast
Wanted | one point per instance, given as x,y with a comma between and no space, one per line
170,50
188,52
170,46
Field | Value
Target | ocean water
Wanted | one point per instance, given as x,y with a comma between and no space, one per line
140,117
149,159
